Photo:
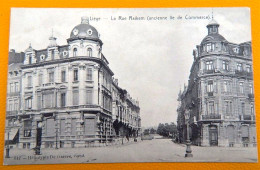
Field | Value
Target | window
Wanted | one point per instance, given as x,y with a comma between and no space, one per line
225,86
210,86
75,73
75,96
208,47
11,87
243,108
30,59
211,108
252,109
27,128
241,87
16,107
250,89
236,50
52,54
16,87
89,52
239,67
27,133
48,100
51,76
89,74
75,52
10,105
28,103
63,76
39,102
63,99
40,79
209,65
248,68
225,65
89,95
228,107
29,81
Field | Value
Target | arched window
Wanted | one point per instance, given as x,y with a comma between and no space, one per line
89,52
75,52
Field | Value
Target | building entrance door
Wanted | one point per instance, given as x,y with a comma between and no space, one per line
213,136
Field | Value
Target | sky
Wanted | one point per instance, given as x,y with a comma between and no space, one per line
151,58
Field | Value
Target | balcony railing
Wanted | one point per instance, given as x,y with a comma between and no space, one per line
246,117
243,73
49,84
13,94
12,113
210,93
208,71
251,96
211,116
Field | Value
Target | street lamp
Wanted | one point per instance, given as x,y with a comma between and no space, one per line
38,139
188,143
7,155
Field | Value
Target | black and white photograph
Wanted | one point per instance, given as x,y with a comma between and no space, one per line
115,85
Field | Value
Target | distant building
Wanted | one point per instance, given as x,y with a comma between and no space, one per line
126,113
13,100
219,95
66,95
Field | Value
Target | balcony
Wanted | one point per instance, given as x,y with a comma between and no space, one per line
243,73
48,84
251,96
208,71
13,94
247,117
211,116
210,93
12,113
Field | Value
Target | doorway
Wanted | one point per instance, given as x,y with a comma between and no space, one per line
213,136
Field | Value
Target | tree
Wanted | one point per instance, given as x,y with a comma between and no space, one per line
152,131
146,131
167,130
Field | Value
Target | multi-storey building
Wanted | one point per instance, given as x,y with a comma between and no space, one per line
126,112
219,96
66,93
13,101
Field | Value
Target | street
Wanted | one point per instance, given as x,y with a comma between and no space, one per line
156,150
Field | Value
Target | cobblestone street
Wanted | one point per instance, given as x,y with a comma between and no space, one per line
156,150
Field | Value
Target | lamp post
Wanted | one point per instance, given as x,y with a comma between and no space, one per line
7,155
188,143
56,137
38,139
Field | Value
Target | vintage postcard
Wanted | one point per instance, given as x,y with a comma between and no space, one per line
100,85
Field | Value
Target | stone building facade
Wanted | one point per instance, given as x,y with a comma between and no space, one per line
66,93
126,113
219,96
13,100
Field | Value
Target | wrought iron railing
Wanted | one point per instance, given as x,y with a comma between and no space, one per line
211,116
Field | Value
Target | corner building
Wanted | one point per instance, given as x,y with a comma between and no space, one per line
219,96
67,93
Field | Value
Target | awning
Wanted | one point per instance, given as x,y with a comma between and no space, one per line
12,133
